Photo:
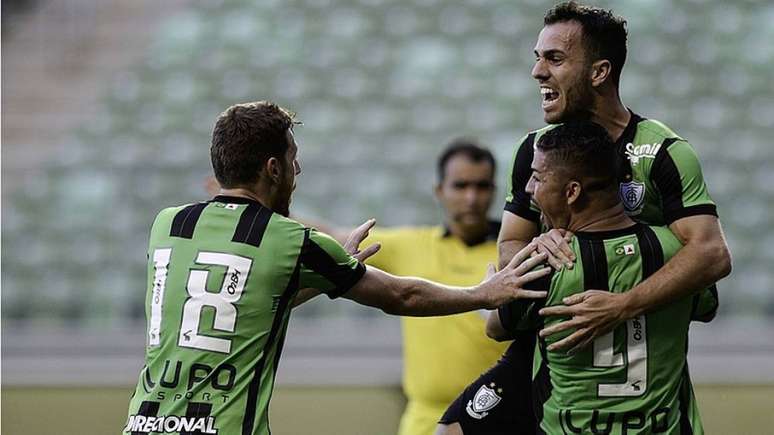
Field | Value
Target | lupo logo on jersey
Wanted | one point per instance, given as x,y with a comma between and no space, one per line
635,153
170,424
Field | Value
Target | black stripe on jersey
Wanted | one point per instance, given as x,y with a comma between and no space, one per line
252,224
275,333
594,261
541,387
520,173
624,167
315,258
666,178
197,410
651,252
684,398
148,409
184,223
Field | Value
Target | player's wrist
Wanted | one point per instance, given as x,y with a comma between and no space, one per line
482,297
632,305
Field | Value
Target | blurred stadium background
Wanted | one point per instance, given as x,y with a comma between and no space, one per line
107,110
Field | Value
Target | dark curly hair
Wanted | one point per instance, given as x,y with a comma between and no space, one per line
604,33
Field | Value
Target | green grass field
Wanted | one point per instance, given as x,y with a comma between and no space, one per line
726,410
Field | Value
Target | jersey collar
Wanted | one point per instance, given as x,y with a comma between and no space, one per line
611,234
226,199
630,131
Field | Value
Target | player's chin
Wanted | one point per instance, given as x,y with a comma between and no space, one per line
553,116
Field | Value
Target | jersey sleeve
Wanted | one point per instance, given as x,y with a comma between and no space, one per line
326,266
517,201
522,314
677,175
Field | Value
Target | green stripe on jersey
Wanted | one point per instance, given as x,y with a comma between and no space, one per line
221,278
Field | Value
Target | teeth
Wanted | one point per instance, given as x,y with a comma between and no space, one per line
545,91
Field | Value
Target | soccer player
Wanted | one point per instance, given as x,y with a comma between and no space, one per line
580,54
223,275
632,380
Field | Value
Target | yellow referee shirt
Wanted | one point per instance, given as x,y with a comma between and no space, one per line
441,355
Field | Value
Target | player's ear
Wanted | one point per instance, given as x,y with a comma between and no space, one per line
273,169
573,191
600,71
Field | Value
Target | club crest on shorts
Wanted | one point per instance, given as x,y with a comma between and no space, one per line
485,399
632,195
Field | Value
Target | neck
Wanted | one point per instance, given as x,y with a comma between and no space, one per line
609,112
605,218
254,194
468,234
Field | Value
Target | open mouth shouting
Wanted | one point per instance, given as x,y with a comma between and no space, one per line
550,97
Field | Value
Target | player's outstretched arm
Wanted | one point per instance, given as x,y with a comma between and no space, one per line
515,233
409,296
352,247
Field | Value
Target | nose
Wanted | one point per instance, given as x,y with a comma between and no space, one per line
530,188
539,71
297,167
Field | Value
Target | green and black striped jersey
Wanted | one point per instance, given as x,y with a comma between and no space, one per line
633,380
221,279
660,182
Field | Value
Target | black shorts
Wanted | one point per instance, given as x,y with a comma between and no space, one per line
499,402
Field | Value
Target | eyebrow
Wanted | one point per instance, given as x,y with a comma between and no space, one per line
549,52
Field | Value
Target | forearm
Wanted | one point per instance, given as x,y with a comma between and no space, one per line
408,296
693,268
419,298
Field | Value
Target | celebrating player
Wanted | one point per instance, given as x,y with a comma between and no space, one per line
580,54
631,380
223,275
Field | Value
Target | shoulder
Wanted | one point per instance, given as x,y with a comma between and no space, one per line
166,215
406,233
655,133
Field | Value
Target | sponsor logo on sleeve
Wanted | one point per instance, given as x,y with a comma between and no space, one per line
485,399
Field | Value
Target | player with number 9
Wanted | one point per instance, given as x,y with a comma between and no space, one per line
633,380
